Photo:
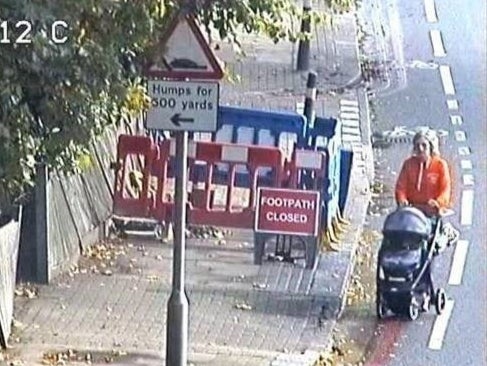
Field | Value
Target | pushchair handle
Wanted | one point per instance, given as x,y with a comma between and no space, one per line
431,211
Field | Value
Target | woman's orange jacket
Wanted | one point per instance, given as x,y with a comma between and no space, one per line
417,183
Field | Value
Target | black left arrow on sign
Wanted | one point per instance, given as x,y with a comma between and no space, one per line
177,119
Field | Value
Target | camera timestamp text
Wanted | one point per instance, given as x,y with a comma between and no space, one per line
21,32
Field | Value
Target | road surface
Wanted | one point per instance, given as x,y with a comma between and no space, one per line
443,57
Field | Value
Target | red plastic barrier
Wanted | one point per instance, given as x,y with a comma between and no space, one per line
254,158
313,164
306,166
139,205
207,155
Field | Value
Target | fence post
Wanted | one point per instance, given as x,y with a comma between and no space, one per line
41,209
303,48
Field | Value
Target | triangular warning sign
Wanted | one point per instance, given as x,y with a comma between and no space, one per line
185,53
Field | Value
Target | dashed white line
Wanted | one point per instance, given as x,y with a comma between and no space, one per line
466,164
440,326
466,208
447,80
452,104
464,150
468,180
456,120
429,7
437,43
460,136
458,264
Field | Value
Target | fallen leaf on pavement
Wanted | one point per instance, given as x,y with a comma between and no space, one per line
16,363
107,272
17,324
27,291
243,306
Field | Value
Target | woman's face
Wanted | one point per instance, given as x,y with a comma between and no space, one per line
422,148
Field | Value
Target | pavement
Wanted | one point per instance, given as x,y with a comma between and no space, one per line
111,308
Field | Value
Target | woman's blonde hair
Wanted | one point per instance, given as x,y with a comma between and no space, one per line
432,137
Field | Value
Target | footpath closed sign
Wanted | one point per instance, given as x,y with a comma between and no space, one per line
287,211
183,105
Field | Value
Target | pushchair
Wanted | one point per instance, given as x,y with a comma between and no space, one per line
410,242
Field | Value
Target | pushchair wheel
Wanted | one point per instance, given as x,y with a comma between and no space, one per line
413,311
381,308
440,301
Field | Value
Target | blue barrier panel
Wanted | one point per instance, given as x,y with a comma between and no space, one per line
326,136
334,178
256,124
345,172
323,130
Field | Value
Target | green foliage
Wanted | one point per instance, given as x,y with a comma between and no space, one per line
56,98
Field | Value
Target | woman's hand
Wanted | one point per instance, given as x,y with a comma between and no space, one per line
433,203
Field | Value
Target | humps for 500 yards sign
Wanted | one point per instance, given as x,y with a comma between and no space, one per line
183,105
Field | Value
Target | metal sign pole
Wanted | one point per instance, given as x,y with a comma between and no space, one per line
177,307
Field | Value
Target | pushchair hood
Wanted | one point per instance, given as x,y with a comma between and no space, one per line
407,220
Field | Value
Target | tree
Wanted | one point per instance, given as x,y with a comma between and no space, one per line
56,97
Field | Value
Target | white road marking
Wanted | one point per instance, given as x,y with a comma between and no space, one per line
437,43
447,80
452,104
429,7
440,326
466,164
468,180
464,150
458,264
456,120
467,208
460,136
